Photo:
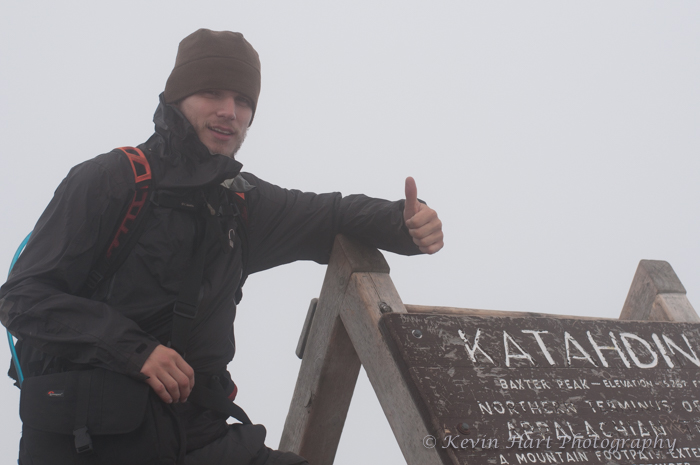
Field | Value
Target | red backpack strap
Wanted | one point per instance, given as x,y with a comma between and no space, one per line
142,178
139,164
129,230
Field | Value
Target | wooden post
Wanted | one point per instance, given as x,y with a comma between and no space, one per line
330,366
344,331
656,294
369,296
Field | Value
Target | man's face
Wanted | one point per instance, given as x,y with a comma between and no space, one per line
219,117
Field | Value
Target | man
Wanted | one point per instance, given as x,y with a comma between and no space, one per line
197,235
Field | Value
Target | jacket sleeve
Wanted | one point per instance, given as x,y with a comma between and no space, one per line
39,302
287,225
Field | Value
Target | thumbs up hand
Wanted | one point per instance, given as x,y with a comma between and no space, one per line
422,222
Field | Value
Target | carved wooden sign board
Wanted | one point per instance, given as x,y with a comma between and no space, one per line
502,390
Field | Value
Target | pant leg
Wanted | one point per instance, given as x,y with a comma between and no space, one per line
242,445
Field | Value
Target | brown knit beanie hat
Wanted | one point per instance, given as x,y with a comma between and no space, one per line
214,60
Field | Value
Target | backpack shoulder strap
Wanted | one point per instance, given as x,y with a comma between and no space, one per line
131,225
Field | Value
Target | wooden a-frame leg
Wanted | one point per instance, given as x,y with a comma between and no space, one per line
330,365
343,332
369,295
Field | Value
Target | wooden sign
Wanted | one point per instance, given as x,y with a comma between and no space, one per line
464,386
503,390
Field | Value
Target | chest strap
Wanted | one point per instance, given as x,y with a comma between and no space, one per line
185,308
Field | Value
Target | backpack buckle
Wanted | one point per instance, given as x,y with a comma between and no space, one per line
83,441
94,279
185,310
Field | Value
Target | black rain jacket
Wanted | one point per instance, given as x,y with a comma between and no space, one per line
131,312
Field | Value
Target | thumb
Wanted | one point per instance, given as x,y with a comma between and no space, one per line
412,205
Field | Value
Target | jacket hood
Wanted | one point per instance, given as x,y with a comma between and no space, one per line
187,161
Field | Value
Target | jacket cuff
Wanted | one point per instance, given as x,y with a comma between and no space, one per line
139,357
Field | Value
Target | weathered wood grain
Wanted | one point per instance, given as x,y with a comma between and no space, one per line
330,366
369,295
428,310
656,294
545,378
